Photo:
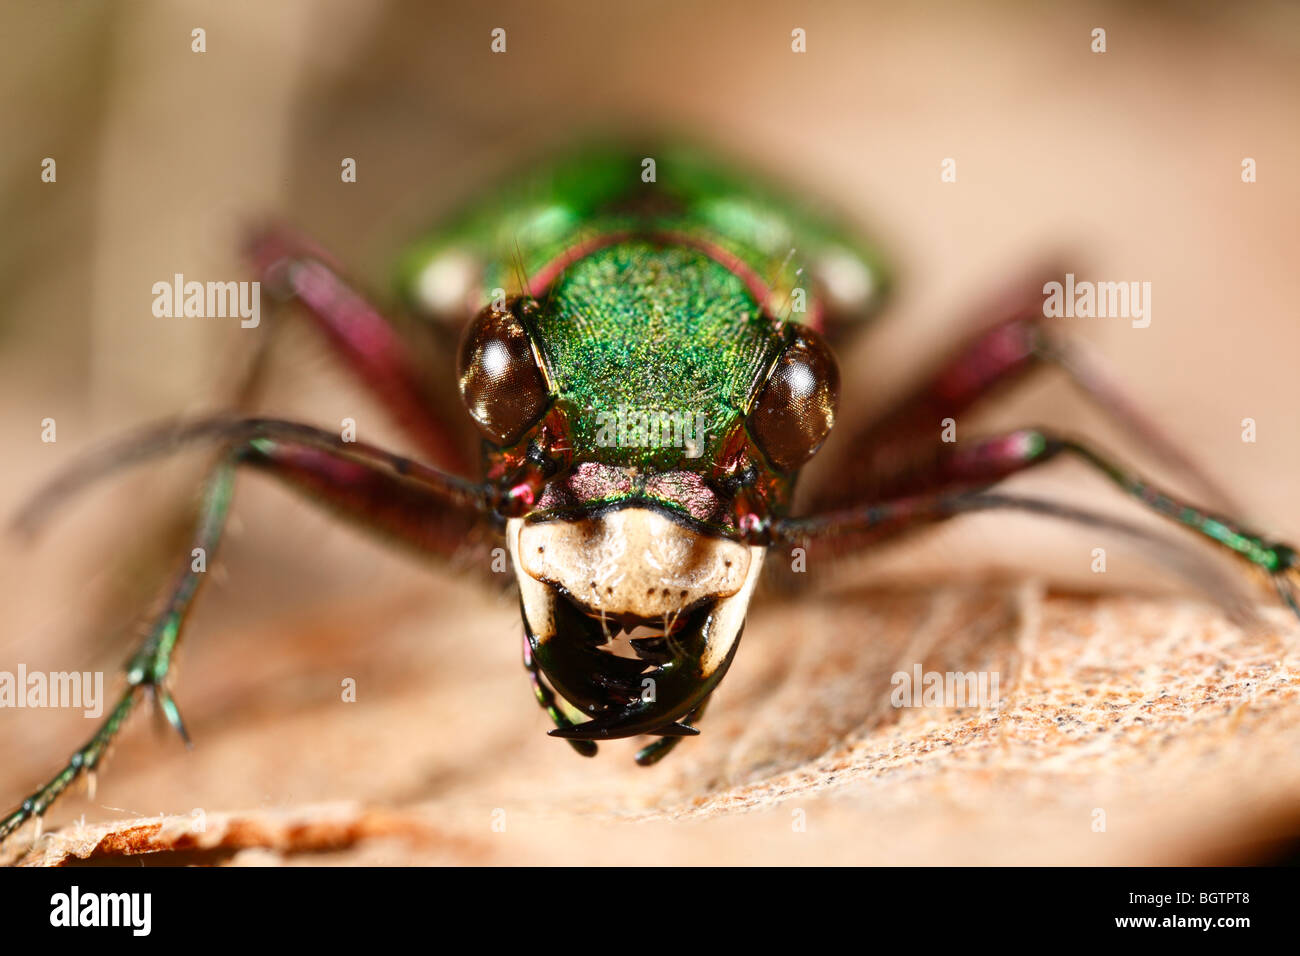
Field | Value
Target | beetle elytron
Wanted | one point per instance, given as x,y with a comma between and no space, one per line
645,360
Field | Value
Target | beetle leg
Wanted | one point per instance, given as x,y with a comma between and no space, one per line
948,485
876,460
547,700
147,667
833,533
382,492
360,479
446,523
365,340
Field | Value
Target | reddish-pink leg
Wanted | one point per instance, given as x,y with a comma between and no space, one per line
953,482
889,455
424,509
365,341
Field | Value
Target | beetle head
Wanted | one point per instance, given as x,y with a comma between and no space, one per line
635,577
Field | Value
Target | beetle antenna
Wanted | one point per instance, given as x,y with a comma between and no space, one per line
772,281
521,274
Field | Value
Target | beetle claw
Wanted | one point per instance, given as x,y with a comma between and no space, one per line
167,707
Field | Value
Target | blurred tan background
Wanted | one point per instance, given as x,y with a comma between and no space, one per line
1126,163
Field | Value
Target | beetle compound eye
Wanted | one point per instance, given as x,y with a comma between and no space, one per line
796,407
501,382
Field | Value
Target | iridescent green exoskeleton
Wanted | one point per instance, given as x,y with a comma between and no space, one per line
645,362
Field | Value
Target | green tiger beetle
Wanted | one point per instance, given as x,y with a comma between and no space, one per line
645,359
